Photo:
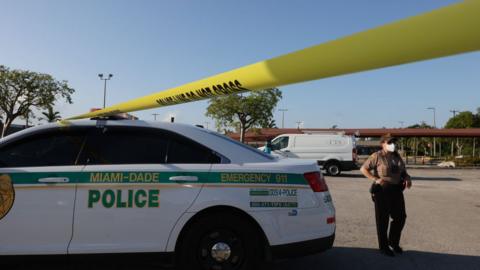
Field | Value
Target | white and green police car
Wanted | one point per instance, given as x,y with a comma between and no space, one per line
98,186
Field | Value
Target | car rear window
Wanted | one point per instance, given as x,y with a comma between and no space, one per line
51,148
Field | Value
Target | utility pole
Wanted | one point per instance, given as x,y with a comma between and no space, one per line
105,86
283,116
298,124
434,126
454,112
155,116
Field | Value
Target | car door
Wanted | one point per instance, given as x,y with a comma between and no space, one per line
140,181
37,189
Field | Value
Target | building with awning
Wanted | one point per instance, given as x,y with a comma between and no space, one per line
414,141
264,134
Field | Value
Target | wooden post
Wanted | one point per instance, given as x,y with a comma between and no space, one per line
451,148
405,152
473,155
415,150
440,148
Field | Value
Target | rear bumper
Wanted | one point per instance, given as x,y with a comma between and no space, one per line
299,249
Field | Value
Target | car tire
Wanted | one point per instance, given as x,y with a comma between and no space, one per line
333,169
223,241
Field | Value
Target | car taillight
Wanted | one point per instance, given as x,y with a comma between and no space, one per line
330,220
316,181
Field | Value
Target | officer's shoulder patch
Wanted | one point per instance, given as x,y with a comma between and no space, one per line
7,195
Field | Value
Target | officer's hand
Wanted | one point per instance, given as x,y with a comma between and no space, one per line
380,181
408,183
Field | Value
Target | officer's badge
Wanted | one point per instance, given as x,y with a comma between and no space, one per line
7,195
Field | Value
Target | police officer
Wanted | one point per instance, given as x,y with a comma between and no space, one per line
268,147
387,171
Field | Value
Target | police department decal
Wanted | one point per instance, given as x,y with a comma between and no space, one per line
273,197
7,195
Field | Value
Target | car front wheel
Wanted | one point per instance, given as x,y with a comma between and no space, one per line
219,242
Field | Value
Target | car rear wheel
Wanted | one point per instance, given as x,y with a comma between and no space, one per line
333,169
219,242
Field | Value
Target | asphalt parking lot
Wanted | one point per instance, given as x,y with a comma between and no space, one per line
442,230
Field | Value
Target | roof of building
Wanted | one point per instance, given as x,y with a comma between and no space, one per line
270,133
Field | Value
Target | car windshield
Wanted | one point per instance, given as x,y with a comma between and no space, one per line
279,143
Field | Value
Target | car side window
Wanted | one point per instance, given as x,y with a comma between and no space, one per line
51,148
183,150
117,145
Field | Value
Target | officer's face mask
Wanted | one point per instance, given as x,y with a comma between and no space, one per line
390,147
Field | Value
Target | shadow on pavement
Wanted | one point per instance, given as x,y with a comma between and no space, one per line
337,258
86,263
431,178
436,178
347,175
365,258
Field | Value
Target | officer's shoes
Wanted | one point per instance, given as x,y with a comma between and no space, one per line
397,249
387,252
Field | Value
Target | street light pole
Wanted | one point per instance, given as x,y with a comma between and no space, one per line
434,126
283,116
105,86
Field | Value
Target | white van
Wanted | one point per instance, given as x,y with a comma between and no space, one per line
334,152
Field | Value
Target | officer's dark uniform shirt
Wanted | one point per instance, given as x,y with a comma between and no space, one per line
387,166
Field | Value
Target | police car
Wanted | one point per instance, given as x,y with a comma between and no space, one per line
98,186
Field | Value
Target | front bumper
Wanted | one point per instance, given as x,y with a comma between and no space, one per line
299,249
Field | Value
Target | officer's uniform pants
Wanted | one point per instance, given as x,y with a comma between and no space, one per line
389,202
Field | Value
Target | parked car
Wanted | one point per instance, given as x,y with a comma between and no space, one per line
333,152
103,187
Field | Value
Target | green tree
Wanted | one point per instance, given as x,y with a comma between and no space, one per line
272,124
22,91
421,125
50,115
244,111
464,120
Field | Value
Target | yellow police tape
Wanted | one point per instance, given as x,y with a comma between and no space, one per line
447,31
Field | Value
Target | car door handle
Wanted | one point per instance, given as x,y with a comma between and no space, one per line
183,178
54,180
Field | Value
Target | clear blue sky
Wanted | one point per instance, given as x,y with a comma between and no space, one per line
154,45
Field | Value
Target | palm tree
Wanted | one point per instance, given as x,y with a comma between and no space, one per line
51,115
